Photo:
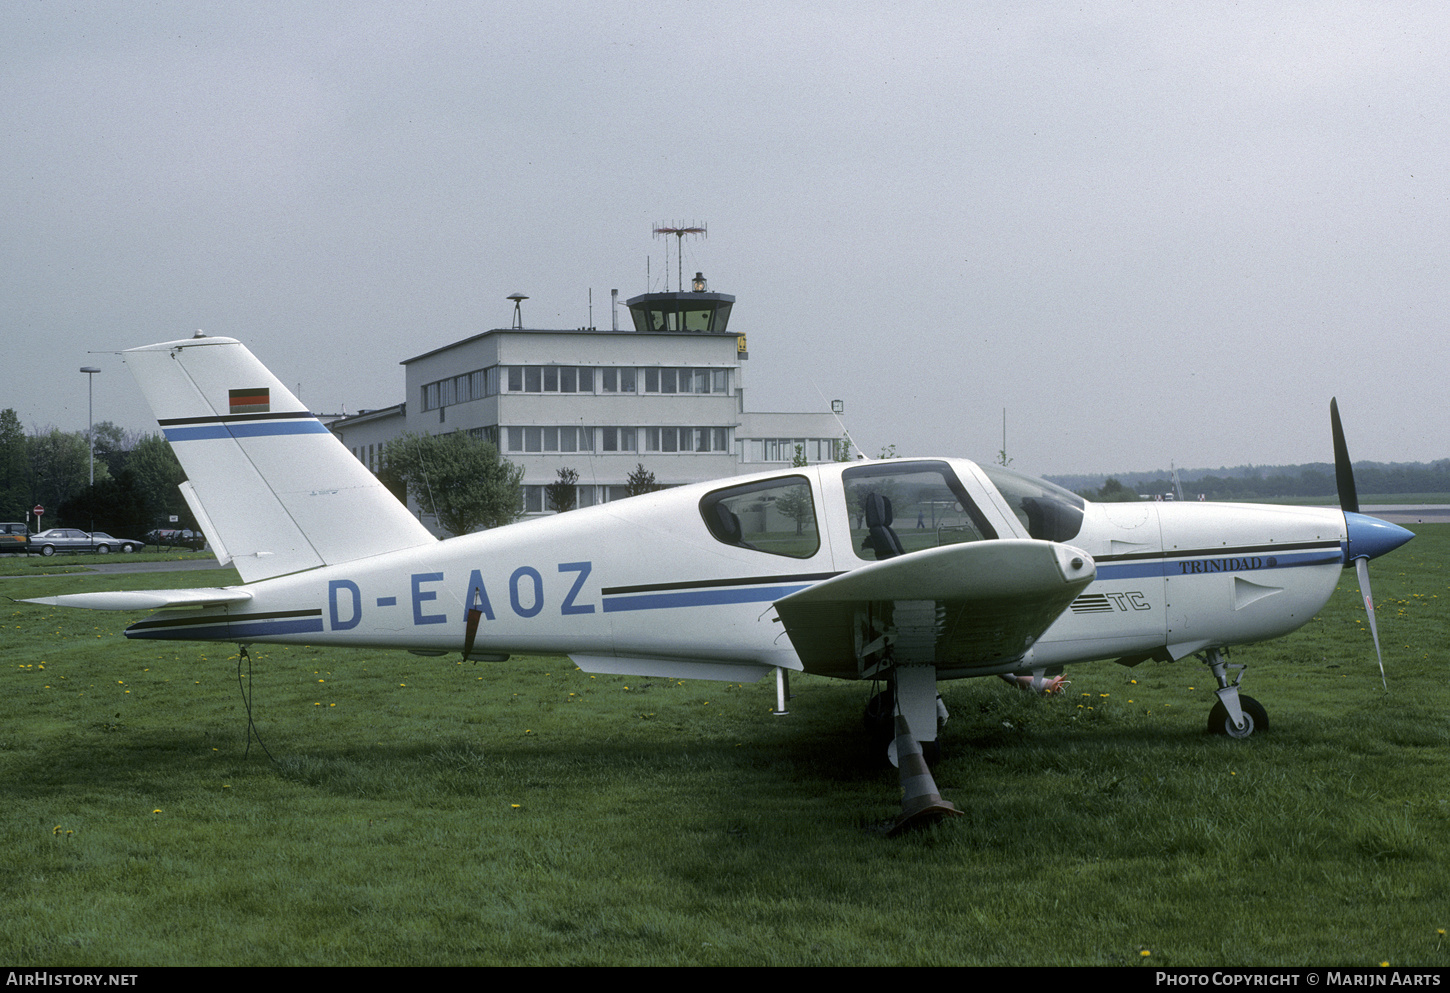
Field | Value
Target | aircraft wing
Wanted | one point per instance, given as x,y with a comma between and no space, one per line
147,599
962,606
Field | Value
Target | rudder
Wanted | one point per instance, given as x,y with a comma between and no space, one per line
279,491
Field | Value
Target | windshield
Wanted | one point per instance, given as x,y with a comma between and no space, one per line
1048,511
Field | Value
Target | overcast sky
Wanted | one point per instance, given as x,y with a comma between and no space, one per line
1150,231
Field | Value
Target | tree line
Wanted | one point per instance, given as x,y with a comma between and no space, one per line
461,480
1248,483
135,487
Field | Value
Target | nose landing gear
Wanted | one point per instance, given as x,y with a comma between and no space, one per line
1236,715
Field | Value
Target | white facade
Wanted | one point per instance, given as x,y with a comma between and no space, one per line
366,433
601,403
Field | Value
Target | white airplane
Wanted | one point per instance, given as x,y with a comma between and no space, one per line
817,569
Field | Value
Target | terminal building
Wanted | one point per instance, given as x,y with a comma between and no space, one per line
667,395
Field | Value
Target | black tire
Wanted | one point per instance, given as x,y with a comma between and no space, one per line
47,549
1256,719
128,549
103,549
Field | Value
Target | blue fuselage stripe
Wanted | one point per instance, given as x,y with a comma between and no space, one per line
699,598
227,631
1199,565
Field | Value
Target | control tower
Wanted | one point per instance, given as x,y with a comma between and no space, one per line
693,311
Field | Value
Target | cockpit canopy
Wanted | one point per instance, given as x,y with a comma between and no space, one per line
894,507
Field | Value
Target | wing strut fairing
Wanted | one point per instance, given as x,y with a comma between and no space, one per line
976,605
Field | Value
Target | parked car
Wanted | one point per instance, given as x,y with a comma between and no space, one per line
14,537
75,540
105,543
172,538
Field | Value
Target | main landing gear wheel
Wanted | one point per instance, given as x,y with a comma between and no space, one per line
880,715
1256,719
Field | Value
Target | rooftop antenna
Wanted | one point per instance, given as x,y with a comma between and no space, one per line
679,231
518,298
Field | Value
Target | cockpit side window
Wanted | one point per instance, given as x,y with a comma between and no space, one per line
1048,511
777,516
899,507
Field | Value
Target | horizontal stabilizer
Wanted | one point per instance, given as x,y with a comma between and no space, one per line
957,606
280,493
146,599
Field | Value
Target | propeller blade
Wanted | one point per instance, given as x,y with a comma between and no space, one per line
1361,569
1343,471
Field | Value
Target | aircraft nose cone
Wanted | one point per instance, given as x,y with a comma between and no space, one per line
1370,537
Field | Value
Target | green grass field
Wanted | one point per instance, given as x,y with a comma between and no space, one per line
424,811
12,564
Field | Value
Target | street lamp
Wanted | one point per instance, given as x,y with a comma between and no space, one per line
90,372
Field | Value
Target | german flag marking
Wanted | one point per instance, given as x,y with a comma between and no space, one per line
257,401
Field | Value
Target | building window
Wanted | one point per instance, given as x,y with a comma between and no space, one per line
460,389
550,379
784,449
617,380
537,440
618,440
700,381
700,440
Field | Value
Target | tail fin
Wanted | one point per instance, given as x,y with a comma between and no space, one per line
278,492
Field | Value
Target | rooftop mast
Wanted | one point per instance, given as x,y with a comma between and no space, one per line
679,231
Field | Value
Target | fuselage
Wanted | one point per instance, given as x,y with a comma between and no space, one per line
670,582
